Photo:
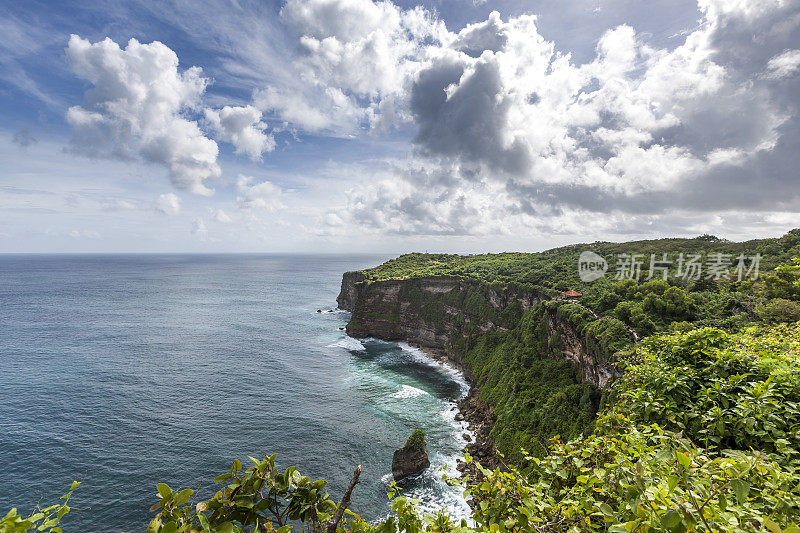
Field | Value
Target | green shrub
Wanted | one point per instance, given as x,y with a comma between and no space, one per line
417,441
779,310
723,391
630,477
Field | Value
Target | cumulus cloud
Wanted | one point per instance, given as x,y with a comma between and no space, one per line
509,133
136,106
354,57
506,121
262,195
168,204
242,127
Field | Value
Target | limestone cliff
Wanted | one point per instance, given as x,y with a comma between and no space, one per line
439,314
442,314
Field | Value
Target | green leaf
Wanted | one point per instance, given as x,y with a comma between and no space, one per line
670,519
772,526
683,459
169,527
183,496
163,490
606,509
672,482
226,527
723,502
741,489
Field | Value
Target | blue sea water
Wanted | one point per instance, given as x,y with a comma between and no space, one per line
126,370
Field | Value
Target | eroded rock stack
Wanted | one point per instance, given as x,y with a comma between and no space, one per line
412,458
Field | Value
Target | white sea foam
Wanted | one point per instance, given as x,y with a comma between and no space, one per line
407,391
442,366
460,427
450,499
348,343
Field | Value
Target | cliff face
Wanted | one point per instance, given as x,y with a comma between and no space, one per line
435,313
594,366
347,295
442,314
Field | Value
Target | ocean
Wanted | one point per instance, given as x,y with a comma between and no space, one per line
123,371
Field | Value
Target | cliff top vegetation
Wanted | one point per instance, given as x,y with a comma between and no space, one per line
557,268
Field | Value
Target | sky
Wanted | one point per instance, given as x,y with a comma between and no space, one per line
338,126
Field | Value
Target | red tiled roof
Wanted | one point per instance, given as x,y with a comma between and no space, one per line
571,294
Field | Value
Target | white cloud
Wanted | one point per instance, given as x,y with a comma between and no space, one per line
136,106
507,125
199,228
263,195
511,134
220,216
168,204
783,65
355,57
242,127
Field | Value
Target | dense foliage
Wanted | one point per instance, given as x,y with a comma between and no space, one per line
534,395
723,391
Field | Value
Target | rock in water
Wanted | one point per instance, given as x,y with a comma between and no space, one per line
412,458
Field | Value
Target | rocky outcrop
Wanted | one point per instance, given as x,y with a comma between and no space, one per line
412,458
347,295
481,420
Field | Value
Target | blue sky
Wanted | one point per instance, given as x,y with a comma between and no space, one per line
353,125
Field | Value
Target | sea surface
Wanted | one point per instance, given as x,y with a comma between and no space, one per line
123,371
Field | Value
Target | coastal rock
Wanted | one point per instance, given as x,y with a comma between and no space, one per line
481,420
412,458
